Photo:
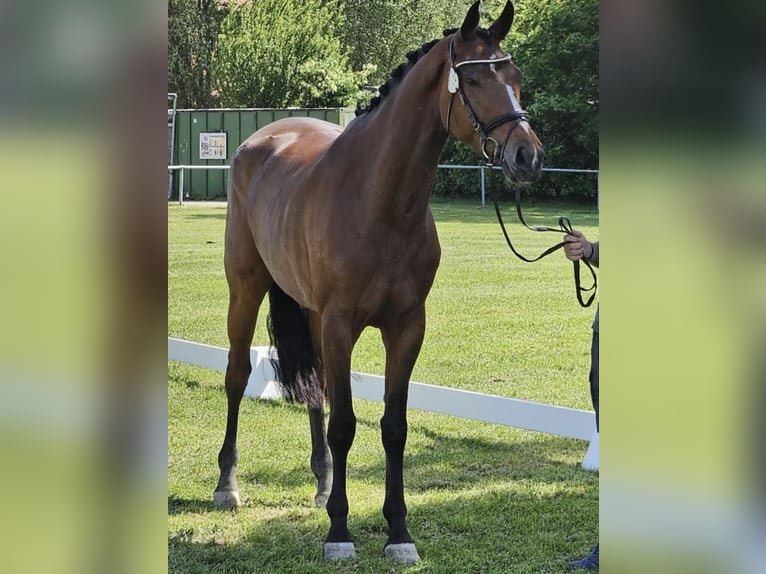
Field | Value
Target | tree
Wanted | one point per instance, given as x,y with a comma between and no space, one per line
556,45
192,31
281,53
381,33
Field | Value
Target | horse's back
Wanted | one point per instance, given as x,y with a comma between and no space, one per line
290,143
277,159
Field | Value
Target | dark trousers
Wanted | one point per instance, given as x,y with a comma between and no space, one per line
593,377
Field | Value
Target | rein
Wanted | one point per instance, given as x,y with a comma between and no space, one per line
565,226
517,116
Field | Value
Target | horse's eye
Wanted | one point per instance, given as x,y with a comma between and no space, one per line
472,81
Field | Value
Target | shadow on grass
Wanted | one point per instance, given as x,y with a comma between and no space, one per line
432,461
494,531
181,505
477,503
437,460
217,215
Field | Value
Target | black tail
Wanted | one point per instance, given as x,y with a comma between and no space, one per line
296,367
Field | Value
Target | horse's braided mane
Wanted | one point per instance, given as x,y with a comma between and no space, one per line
400,71
398,74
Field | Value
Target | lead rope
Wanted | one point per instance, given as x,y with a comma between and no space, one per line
565,226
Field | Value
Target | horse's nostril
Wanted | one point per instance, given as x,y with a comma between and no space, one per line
521,160
525,157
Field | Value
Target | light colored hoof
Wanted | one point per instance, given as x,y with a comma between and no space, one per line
226,499
339,550
402,553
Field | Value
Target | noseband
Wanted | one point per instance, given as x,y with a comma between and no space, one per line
454,85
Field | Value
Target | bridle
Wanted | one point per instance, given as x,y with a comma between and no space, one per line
454,86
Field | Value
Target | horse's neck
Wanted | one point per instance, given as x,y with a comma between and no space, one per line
410,137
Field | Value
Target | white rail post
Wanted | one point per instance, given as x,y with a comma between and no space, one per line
591,456
181,186
483,203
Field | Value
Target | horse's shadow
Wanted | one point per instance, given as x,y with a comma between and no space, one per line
433,460
484,475
523,520
438,461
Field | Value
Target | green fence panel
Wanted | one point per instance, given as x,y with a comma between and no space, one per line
263,117
182,153
215,177
248,124
232,125
282,114
238,125
196,178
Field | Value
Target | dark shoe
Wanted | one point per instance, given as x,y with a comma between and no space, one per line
590,562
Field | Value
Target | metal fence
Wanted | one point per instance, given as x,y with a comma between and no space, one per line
183,194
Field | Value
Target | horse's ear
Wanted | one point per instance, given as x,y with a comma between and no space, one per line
502,25
471,22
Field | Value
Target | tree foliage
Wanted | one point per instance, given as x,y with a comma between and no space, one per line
556,44
280,53
380,33
192,32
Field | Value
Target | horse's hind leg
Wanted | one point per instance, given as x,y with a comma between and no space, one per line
321,459
248,283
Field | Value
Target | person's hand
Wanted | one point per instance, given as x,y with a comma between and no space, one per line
576,246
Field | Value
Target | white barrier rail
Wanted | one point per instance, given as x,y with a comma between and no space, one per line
562,421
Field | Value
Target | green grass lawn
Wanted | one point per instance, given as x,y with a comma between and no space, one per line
481,497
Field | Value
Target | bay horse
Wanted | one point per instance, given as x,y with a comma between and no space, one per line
335,226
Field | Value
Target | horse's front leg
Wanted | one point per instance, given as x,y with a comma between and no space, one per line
337,342
402,339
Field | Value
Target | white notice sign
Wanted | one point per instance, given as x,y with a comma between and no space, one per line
212,146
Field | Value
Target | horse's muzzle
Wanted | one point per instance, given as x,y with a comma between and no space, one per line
523,162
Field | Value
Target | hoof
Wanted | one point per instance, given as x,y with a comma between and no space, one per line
402,553
339,550
226,498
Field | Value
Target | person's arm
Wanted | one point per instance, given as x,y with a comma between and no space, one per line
592,258
577,246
